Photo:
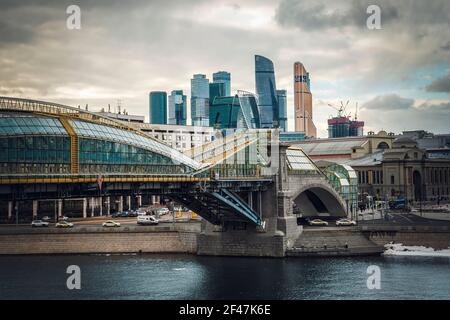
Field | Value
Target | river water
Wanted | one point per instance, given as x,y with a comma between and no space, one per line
192,277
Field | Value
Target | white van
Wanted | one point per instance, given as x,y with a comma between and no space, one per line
147,220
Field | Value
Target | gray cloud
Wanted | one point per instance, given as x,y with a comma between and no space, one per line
440,85
127,48
395,113
321,14
388,102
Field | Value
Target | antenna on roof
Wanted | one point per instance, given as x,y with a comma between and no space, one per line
119,102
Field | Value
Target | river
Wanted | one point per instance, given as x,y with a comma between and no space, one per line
193,277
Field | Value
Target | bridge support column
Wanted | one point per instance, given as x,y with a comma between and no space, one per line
84,208
60,205
108,206
92,206
100,205
10,209
120,209
259,203
129,202
139,199
250,199
35,209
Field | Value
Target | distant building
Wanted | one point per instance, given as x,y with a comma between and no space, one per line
342,126
387,166
266,91
200,100
225,78
235,112
179,137
303,101
282,110
177,108
122,116
436,145
216,90
158,107
292,137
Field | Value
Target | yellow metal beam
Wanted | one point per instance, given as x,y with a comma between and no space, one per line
74,148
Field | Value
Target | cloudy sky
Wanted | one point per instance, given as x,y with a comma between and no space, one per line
399,75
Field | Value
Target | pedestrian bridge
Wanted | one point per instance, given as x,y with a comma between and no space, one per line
52,151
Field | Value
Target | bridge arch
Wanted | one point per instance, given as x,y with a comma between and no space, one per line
319,199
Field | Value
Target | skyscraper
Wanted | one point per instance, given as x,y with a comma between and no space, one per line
225,78
235,112
303,101
200,100
177,108
267,92
216,90
282,109
158,107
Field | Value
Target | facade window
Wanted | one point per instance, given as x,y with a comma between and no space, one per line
392,179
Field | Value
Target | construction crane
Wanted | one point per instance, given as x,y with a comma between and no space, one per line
341,110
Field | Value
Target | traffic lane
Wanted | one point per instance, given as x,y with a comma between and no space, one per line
406,219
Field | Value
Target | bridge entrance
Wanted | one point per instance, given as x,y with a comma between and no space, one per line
317,201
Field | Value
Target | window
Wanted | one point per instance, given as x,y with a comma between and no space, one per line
392,179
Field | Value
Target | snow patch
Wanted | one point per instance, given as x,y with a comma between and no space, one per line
398,249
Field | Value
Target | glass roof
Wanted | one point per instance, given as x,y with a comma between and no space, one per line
332,147
297,160
96,131
18,124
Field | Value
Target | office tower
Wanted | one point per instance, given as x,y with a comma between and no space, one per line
225,78
177,108
303,101
200,100
266,91
216,90
282,109
235,112
158,107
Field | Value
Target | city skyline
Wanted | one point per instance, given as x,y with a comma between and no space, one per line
347,61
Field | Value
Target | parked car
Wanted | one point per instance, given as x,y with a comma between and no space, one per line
317,222
120,214
162,211
147,220
63,218
345,222
39,223
64,224
46,218
110,224
133,213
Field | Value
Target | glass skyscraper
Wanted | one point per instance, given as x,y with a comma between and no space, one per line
200,100
225,78
177,108
282,109
216,90
267,92
234,112
158,107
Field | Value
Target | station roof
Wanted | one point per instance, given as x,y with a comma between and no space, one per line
332,146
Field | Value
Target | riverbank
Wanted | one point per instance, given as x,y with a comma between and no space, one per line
165,238
183,237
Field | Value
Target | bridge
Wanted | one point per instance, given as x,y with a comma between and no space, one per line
247,186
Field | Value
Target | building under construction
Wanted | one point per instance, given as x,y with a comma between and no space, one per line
342,126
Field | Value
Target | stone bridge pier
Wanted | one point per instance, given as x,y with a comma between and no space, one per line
308,193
